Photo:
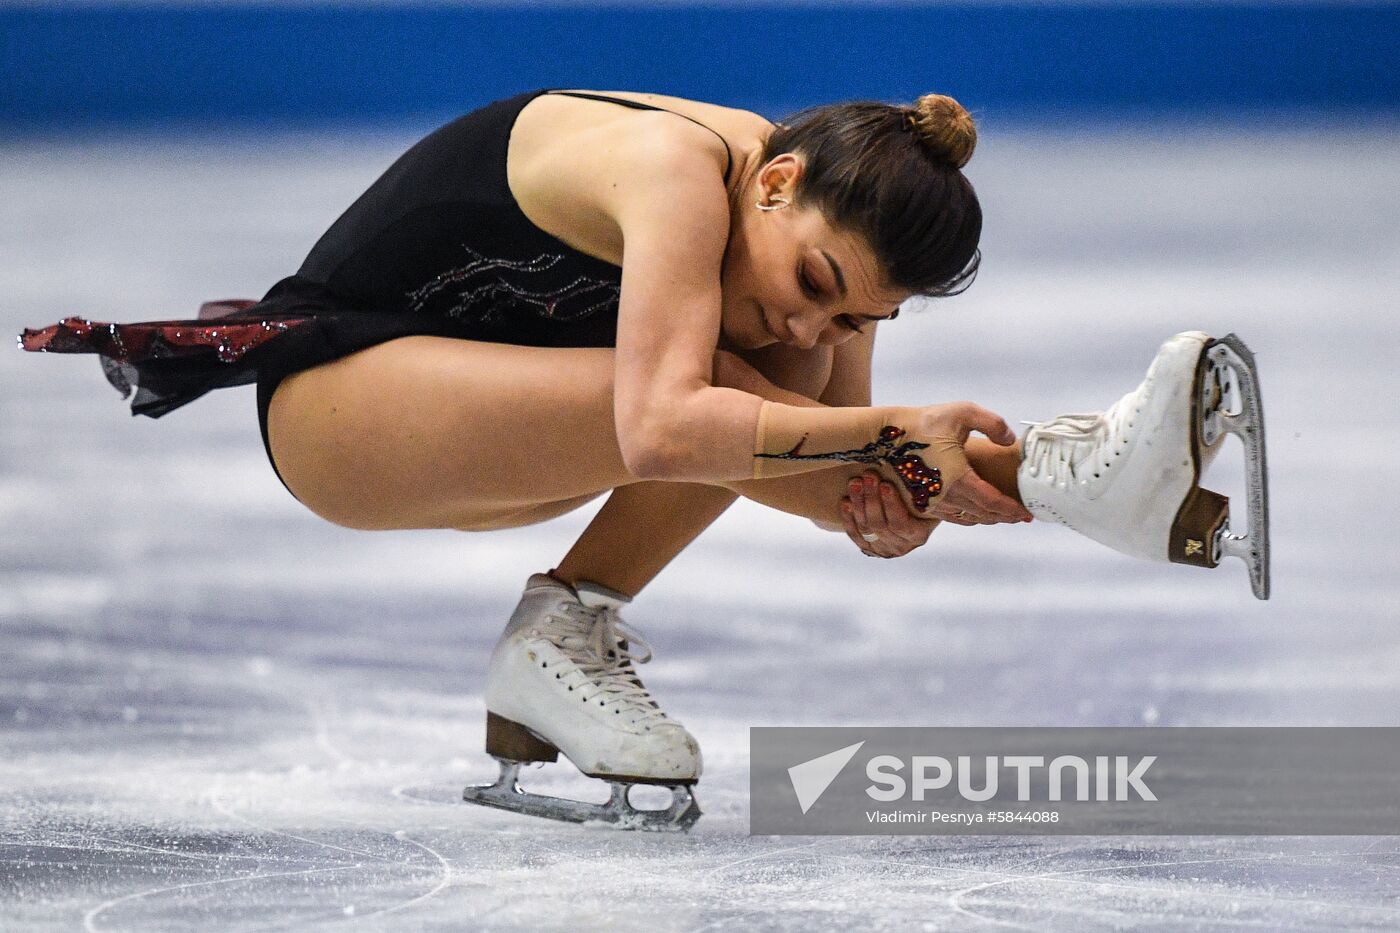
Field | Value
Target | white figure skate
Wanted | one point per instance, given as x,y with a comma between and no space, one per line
1129,477
562,679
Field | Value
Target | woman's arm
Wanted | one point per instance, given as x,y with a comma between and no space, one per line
672,422
674,217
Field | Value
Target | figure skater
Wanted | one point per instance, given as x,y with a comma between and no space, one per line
567,294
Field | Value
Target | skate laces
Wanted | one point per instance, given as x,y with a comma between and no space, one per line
604,648
1063,446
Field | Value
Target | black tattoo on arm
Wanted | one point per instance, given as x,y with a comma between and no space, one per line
923,481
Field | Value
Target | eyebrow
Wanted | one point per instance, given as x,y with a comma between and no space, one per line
841,284
836,271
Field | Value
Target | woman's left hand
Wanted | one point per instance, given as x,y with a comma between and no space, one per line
873,507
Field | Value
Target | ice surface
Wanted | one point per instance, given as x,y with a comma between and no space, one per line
219,711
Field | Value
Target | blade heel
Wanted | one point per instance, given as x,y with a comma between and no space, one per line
513,742
1196,528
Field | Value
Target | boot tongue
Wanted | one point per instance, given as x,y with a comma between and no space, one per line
596,596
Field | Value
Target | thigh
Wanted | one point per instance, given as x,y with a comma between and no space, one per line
434,432
484,517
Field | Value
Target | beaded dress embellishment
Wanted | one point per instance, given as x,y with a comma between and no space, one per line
154,339
482,290
122,345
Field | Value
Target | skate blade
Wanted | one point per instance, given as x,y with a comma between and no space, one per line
618,812
1229,402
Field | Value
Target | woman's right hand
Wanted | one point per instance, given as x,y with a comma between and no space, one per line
967,499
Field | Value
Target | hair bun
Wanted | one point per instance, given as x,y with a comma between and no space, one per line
944,127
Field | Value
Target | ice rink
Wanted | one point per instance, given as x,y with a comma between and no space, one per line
218,711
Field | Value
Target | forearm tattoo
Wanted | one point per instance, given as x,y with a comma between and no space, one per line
923,481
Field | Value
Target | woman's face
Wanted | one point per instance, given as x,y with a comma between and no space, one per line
791,277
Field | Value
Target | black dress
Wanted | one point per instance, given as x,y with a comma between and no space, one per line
437,245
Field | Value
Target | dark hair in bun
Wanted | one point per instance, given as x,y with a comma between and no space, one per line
893,175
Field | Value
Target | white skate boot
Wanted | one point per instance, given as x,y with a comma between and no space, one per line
1129,477
562,679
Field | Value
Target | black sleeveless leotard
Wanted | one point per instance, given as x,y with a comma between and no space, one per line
437,245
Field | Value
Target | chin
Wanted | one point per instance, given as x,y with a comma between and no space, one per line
763,339
728,340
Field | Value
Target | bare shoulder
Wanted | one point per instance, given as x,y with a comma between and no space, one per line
575,164
724,120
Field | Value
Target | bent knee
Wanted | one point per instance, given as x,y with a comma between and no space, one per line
756,371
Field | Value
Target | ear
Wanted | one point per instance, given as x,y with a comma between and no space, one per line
781,175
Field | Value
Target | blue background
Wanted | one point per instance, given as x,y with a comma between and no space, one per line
77,67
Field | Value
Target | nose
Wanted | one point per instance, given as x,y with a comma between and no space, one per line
805,329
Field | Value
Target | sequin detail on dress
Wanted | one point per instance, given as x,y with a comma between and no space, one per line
480,290
153,339
122,345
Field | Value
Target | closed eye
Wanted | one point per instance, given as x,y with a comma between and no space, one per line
811,291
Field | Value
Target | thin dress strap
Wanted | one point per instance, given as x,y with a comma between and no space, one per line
638,105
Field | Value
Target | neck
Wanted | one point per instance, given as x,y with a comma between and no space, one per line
742,183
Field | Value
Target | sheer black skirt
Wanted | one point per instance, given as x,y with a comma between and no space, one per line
163,365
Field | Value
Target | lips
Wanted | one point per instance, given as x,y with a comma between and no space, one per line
763,316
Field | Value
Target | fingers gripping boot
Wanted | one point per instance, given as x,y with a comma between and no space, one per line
563,678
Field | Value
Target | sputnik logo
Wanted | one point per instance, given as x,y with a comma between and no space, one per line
810,779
